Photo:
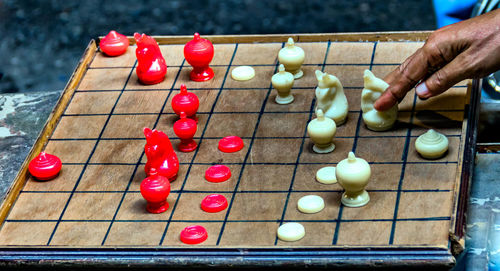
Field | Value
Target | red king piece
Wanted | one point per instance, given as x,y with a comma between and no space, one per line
151,66
185,129
231,144
185,102
193,235
217,173
214,203
45,166
114,44
155,190
199,53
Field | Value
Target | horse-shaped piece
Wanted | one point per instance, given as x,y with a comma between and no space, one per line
331,98
151,66
160,154
376,120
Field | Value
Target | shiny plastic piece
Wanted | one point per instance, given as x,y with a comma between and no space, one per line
151,66
161,156
114,44
231,144
45,166
185,129
214,203
193,235
186,102
199,53
218,173
155,190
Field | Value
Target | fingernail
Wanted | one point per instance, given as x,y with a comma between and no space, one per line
422,90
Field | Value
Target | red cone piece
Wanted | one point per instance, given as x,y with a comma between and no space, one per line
114,44
193,235
185,129
217,174
199,53
160,154
151,66
185,102
155,190
231,144
45,166
214,203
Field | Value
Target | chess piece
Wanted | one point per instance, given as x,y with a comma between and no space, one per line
431,145
231,144
243,73
326,175
214,203
45,166
292,57
353,175
376,120
160,154
310,204
291,232
199,53
283,83
114,44
321,130
217,174
186,102
155,190
185,129
331,98
151,67
193,235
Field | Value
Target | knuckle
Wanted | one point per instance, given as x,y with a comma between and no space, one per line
440,80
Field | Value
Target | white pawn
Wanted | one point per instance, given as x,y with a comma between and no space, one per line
331,97
292,57
283,83
376,120
321,130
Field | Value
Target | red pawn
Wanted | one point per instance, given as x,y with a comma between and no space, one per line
114,44
151,67
45,166
185,102
185,129
199,53
155,190
161,156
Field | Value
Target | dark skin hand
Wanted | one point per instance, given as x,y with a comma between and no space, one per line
468,49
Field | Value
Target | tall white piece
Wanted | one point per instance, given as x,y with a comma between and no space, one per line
292,57
331,98
283,83
376,120
321,130
353,175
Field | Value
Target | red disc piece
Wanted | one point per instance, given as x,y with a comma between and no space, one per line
214,203
218,173
45,166
231,144
114,44
193,235
199,53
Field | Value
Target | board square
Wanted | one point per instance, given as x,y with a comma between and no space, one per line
330,212
381,206
175,185
233,100
88,233
425,204
395,52
315,51
26,233
196,180
425,233
64,182
384,176
141,102
166,84
429,176
205,96
189,207
454,98
349,76
134,208
290,125
92,206
257,54
302,101
386,149
245,234
71,151
92,102
450,156
105,178
342,147
167,121
305,178
39,206
214,83
364,233
126,60
135,233
348,129
268,206
128,126
72,127
256,82
354,98
308,80
105,79
382,71
172,237
350,53
173,55
449,122
118,151
266,178
400,127
208,152
317,234
285,150
241,125
222,54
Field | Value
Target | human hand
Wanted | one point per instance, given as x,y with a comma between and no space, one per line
468,49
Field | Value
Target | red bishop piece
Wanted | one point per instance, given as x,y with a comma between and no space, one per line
45,166
193,235
231,144
217,173
151,67
185,102
214,203
199,53
155,190
185,129
114,44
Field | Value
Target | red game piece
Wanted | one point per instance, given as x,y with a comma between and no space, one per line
231,144
160,154
214,203
193,235
155,190
45,166
185,129
185,102
151,67
199,52
114,44
217,173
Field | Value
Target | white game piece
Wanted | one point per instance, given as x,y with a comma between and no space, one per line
291,232
321,130
431,145
331,98
311,204
376,120
353,175
283,83
292,57
243,73
326,175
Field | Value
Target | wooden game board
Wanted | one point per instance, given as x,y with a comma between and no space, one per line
94,212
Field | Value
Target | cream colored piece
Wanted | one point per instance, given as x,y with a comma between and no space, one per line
311,204
283,83
331,98
292,57
376,120
243,73
431,145
291,232
326,175
321,130
353,175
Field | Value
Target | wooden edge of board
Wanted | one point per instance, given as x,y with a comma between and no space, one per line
48,128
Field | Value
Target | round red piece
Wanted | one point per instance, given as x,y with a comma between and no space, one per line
45,166
155,190
193,235
231,144
217,174
199,53
114,44
186,102
214,203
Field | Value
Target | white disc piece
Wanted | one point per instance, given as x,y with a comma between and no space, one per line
311,204
291,232
243,73
326,175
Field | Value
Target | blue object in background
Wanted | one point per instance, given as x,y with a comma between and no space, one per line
452,11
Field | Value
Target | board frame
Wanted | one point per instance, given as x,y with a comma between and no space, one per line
337,257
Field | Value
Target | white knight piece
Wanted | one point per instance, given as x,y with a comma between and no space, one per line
376,120
330,97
